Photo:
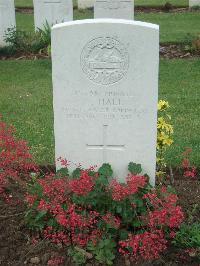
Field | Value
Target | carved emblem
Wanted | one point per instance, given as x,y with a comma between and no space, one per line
104,60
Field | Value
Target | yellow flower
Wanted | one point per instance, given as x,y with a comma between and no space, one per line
160,173
164,139
162,105
163,125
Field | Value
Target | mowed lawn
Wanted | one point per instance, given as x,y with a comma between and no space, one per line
173,27
26,102
29,3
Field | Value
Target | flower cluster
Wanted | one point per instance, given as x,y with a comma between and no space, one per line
164,135
122,191
188,169
56,261
15,159
91,214
112,220
83,185
165,212
148,245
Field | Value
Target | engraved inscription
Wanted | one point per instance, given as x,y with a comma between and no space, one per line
52,1
107,105
104,60
113,4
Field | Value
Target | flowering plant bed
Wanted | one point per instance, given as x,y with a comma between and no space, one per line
87,216
19,244
90,214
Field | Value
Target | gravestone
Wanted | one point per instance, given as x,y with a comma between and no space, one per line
122,9
52,12
7,18
105,90
193,3
83,4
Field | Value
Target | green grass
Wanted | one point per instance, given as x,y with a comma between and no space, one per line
179,84
29,3
25,21
24,3
173,27
26,101
161,2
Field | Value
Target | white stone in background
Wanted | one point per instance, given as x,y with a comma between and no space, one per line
52,11
7,18
83,4
194,3
122,9
105,91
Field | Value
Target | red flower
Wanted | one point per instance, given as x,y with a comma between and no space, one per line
83,185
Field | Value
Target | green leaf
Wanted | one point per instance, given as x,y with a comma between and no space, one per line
136,223
123,234
105,170
139,203
76,173
40,215
119,209
134,168
63,171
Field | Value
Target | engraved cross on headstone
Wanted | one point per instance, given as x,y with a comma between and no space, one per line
104,146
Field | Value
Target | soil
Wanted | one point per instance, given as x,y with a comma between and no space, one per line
16,241
138,9
169,51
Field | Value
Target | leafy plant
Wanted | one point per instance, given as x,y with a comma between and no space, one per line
188,236
104,251
28,42
192,43
96,216
16,163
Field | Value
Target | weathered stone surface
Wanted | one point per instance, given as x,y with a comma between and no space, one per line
7,18
122,9
105,90
52,12
194,3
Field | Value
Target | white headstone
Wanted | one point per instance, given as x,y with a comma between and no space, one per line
7,18
52,11
105,90
122,9
83,4
194,3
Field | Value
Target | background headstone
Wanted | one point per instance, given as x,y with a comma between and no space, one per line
83,4
7,18
105,91
122,9
52,11
194,3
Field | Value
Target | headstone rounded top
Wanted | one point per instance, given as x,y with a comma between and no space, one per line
107,21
